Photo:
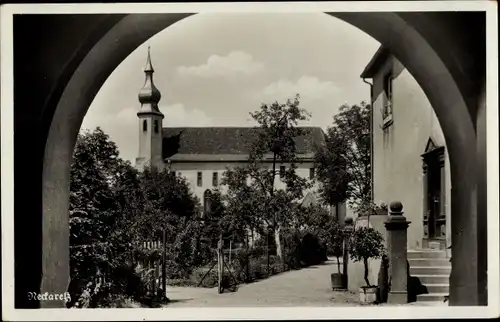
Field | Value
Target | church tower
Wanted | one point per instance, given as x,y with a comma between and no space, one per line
150,122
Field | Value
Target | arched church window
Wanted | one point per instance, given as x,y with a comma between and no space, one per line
144,126
156,126
206,201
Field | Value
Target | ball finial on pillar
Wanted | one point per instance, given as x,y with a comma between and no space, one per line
396,208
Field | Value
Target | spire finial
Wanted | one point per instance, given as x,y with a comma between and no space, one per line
149,93
149,65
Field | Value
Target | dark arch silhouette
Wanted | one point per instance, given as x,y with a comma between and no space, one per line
444,54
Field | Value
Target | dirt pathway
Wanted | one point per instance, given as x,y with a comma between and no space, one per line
306,287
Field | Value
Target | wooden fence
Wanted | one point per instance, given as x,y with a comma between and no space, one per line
151,270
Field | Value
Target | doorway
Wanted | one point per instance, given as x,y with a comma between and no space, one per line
434,220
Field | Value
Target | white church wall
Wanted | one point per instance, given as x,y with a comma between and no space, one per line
190,171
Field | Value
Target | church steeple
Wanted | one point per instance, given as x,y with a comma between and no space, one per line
149,95
150,122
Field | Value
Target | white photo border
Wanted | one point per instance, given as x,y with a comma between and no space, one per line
385,312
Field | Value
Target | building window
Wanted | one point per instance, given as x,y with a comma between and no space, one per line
311,173
144,126
206,201
199,181
215,179
388,100
157,128
172,173
282,171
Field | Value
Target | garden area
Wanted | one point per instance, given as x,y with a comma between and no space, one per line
134,233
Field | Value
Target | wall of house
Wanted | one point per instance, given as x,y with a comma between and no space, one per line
190,170
398,173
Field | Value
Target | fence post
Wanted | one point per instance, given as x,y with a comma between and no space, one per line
157,276
267,251
397,226
163,265
247,261
284,253
220,264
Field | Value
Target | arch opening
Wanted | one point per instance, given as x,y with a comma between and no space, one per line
404,41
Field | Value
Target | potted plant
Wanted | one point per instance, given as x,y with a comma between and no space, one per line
368,208
366,243
381,209
336,248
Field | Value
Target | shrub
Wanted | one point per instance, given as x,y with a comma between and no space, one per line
336,243
366,243
292,244
119,301
311,252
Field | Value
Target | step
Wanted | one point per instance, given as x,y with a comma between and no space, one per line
437,288
426,270
429,262
426,254
433,279
430,303
432,297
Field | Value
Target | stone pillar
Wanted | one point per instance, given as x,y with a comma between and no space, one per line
397,226
348,228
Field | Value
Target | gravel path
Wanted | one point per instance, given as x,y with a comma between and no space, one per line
306,287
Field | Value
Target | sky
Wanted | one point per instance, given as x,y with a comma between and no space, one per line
213,69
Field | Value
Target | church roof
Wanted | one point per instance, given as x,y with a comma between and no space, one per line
231,140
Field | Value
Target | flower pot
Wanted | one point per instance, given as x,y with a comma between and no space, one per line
368,295
339,281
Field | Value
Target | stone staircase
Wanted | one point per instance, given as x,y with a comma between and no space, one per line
433,269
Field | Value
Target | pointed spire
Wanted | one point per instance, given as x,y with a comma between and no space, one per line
149,94
149,65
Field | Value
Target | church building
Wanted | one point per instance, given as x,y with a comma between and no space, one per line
202,154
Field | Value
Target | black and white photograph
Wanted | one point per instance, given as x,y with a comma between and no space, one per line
281,160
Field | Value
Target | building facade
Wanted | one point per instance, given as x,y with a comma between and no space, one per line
203,154
409,157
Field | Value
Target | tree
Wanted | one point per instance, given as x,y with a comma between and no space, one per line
99,244
166,199
169,205
276,137
343,163
316,220
215,218
114,209
95,170
244,202
366,243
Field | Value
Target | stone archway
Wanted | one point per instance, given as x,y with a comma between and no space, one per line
405,35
